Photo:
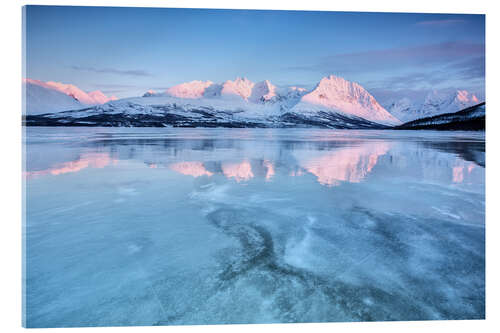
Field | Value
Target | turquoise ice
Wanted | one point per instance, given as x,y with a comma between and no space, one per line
213,226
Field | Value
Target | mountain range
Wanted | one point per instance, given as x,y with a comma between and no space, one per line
333,103
48,97
435,103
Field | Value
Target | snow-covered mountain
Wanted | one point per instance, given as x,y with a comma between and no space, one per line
439,102
98,97
435,103
334,102
263,92
471,118
336,94
331,95
241,87
193,89
47,97
42,99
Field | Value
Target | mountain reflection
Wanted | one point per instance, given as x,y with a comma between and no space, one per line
349,164
195,169
270,169
327,161
462,172
87,160
346,165
239,171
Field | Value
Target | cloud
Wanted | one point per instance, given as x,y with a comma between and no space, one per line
423,67
412,79
467,72
113,91
440,23
132,72
114,88
470,69
113,85
391,58
387,96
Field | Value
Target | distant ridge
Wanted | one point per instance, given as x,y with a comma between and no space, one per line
469,119
435,103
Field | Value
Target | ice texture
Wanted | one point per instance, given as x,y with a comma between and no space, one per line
131,226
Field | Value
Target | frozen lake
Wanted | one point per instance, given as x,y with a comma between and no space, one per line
130,226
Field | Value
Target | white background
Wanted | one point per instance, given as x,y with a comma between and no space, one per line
10,159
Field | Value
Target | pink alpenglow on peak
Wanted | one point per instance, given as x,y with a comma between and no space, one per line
41,98
193,89
91,98
466,97
73,91
337,94
100,98
241,87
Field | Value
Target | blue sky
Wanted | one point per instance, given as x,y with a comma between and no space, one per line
126,51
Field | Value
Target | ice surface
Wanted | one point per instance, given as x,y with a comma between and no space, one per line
211,226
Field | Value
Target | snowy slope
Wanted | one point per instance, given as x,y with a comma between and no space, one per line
237,106
403,109
92,98
45,97
435,103
98,97
40,99
349,98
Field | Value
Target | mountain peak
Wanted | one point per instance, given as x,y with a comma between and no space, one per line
90,98
466,97
241,79
337,94
436,102
99,97
239,87
149,93
193,89
262,92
